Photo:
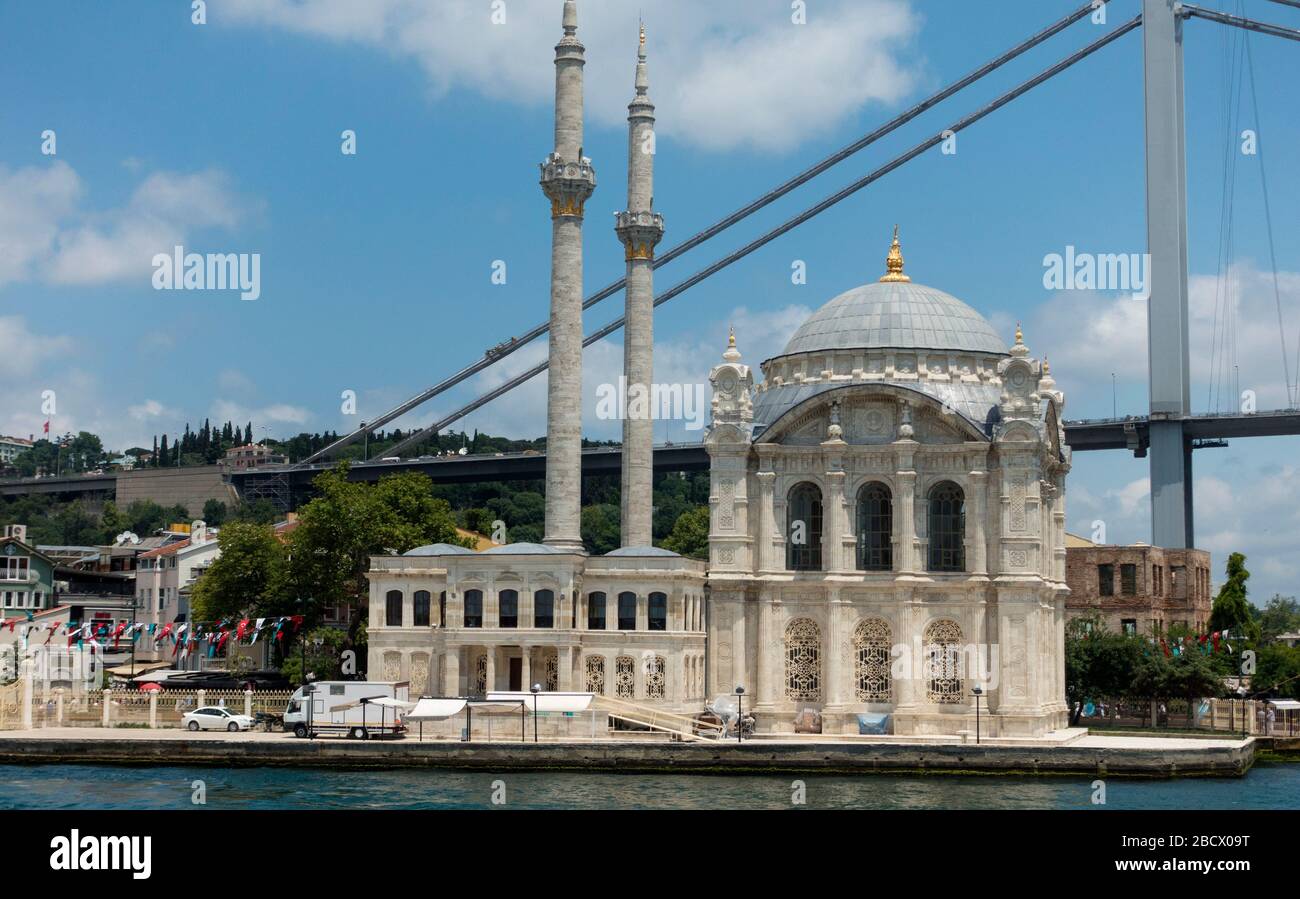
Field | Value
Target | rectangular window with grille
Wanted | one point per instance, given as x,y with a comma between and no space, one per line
1106,580
1128,578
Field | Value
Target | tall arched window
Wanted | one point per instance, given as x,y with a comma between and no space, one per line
544,608
947,527
627,611
656,677
943,682
393,609
803,531
596,674
473,608
596,615
658,620
803,661
871,662
509,608
625,677
422,604
875,528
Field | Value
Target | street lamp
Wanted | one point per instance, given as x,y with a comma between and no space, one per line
537,688
740,711
1245,712
977,692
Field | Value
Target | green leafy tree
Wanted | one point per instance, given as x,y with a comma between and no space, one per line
690,534
248,577
112,522
347,523
214,512
1098,664
600,528
1280,616
1277,671
325,662
1231,610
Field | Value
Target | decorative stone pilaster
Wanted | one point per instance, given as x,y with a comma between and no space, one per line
833,530
767,523
905,523
978,542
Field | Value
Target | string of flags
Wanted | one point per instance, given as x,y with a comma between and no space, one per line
1207,644
185,636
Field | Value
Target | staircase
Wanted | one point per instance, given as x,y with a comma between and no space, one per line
682,727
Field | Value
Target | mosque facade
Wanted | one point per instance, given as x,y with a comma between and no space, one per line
887,515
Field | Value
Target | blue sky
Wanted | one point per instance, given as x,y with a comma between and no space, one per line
376,268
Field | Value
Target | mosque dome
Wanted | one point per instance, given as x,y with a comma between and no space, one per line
890,332
894,313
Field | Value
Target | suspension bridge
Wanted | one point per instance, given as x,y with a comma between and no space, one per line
1167,435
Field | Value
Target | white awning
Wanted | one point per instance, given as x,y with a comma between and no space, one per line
428,709
389,703
1285,704
546,702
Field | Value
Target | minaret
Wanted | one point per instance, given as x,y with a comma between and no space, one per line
568,179
640,229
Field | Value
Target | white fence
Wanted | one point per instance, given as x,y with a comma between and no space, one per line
135,708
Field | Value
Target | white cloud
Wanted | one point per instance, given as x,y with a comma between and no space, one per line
148,410
46,233
725,74
33,200
21,351
272,415
1088,335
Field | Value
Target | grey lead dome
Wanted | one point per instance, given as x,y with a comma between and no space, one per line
900,315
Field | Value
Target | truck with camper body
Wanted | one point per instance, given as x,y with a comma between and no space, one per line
355,709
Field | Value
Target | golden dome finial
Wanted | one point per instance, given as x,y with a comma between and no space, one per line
643,34
894,262
1047,366
731,337
1020,335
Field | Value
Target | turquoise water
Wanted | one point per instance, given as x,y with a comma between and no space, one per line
1267,786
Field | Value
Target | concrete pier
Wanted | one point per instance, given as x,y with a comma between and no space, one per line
1089,755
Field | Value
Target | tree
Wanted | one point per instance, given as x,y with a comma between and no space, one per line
600,528
1280,616
1098,664
214,512
112,521
248,577
690,534
326,661
1231,611
348,522
1277,666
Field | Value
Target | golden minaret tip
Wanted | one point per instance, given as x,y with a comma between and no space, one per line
731,337
1020,336
894,262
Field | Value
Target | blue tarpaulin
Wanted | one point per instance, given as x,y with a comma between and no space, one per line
873,723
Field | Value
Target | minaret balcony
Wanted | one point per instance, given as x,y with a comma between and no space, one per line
640,232
567,184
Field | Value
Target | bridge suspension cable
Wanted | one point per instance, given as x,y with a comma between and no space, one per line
789,225
500,351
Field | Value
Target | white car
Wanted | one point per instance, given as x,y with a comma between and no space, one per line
215,718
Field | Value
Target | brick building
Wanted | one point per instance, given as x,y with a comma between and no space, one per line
1138,588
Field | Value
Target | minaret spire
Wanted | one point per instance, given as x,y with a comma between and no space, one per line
568,179
640,229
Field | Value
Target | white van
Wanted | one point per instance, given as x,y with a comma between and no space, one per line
349,708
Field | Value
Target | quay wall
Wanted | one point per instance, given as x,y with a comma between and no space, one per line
637,757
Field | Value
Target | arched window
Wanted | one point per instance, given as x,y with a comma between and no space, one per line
625,677
596,675
509,608
422,603
803,661
627,611
656,677
596,617
947,528
473,608
803,531
658,612
544,608
943,681
442,609
871,661
393,609
875,528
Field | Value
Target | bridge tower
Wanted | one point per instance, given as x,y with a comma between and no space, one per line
1167,309
640,229
568,179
